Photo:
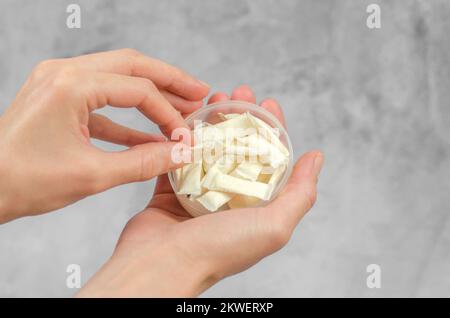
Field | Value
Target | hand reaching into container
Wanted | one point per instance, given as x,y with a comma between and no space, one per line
46,158
164,252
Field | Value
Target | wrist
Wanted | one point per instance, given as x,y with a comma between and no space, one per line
9,202
164,271
6,208
5,198
3,209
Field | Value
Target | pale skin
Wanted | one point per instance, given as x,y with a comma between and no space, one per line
47,162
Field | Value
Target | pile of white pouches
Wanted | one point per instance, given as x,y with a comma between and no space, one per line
237,162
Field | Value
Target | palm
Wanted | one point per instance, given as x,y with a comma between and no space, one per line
218,235
162,212
231,240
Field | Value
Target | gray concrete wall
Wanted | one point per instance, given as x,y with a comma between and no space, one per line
375,101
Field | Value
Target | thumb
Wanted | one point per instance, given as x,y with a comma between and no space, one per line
300,193
139,163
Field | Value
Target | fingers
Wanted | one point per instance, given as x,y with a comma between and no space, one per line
102,128
103,89
133,63
218,97
164,198
139,163
272,106
299,194
244,93
215,98
163,185
240,93
182,105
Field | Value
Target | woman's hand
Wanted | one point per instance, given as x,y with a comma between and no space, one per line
164,252
46,158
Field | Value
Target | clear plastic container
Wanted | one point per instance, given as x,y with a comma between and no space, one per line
210,114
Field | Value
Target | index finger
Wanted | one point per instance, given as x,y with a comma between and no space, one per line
133,63
272,106
103,89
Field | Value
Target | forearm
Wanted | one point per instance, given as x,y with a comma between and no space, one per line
162,272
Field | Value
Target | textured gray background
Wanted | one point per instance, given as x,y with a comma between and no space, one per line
375,101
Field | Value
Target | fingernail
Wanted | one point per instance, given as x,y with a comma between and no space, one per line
318,162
